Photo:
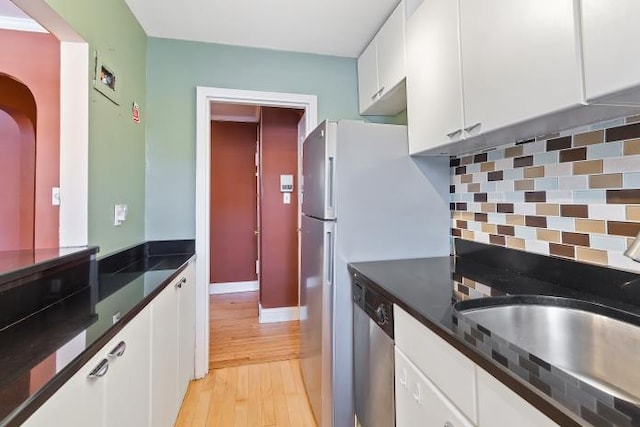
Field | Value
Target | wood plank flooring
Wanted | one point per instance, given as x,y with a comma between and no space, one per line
238,339
255,377
266,394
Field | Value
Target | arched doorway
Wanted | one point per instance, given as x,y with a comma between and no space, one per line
17,165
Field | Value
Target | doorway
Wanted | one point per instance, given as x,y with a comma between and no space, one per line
205,98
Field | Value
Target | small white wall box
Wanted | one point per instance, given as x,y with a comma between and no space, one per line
286,183
119,214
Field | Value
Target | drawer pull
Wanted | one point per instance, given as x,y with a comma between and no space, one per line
417,396
100,370
118,350
448,424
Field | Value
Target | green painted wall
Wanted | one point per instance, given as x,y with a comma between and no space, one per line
175,68
116,144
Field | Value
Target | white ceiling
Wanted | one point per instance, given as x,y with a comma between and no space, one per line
331,27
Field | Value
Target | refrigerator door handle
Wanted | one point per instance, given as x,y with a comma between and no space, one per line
328,257
330,183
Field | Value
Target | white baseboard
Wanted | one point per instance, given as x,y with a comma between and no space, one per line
278,314
233,287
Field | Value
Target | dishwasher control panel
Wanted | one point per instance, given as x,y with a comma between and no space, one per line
378,308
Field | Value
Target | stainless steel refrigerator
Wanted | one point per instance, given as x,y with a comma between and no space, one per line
363,199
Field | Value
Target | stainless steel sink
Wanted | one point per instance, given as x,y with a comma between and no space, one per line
598,349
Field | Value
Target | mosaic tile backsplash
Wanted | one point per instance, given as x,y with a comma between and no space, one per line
574,194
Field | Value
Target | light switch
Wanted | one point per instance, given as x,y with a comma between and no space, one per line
286,198
55,196
119,214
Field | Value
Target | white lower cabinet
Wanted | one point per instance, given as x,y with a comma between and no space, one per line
78,402
419,402
172,347
500,407
187,332
127,382
164,360
112,389
436,385
140,377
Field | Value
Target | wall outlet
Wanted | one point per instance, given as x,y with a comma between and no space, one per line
119,214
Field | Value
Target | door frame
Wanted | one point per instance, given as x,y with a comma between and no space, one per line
204,97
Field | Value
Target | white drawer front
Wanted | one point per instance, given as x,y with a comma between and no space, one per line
419,403
449,370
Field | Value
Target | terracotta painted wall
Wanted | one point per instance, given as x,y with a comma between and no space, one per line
279,222
34,60
233,202
17,181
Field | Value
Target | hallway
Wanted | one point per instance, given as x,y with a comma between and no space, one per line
254,377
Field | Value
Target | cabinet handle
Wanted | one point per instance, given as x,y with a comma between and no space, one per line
118,350
448,424
454,133
403,379
417,396
181,282
376,94
472,127
100,370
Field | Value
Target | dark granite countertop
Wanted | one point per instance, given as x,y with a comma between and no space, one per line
39,353
428,288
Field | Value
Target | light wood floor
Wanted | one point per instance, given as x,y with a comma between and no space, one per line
266,394
238,339
255,377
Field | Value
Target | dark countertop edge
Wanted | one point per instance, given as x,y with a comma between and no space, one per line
536,398
47,264
27,408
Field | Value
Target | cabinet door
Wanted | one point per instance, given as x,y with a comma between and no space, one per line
368,77
498,406
187,331
419,402
390,48
78,402
606,29
447,368
127,396
519,61
164,356
434,88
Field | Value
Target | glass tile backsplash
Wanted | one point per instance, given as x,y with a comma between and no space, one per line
574,194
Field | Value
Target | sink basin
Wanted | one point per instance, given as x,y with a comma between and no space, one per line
595,347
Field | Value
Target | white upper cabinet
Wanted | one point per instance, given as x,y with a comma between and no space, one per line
519,61
390,47
434,85
368,77
382,69
486,73
611,68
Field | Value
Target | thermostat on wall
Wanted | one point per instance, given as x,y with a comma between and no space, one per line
286,183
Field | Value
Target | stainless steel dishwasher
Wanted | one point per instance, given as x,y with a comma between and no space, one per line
373,358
